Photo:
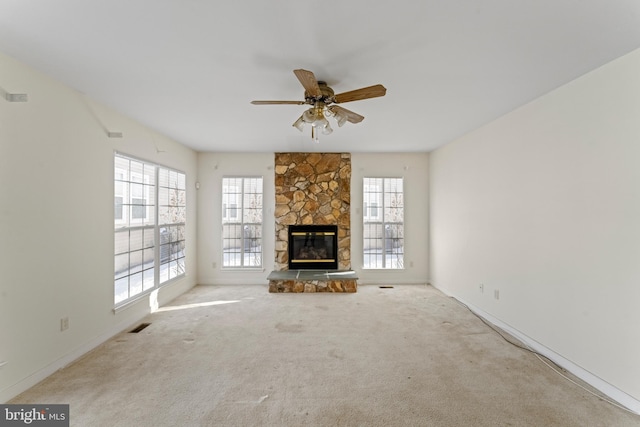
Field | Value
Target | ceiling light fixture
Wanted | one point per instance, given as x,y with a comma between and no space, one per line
316,117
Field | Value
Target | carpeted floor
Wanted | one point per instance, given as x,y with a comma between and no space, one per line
239,356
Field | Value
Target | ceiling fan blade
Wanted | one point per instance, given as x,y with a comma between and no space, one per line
351,116
308,81
277,102
358,94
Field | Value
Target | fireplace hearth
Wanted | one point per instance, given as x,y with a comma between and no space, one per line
313,247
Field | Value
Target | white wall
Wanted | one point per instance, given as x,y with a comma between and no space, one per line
56,223
213,166
414,168
544,206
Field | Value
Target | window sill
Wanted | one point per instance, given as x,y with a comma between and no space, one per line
133,300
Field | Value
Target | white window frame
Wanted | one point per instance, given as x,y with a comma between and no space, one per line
242,222
138,264
383,223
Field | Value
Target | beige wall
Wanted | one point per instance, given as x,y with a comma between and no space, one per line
213,166
56,223
543,205
414,169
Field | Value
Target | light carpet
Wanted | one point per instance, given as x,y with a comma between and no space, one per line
240,356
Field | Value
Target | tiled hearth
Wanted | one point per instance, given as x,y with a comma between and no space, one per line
313,189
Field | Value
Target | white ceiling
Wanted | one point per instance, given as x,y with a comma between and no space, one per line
189,68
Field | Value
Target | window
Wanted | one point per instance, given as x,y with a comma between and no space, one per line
172,211
383,223
149,236
242,222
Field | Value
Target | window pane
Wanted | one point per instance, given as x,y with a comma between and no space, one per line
180,214
121,168
136,170
173,179
121,242
149,174
135,240
164,273
163,215
149,238
173,269
181,266
135,284
147,279
163,178
121,289
138,212
118,208
148,257
163,196
135,261
121,266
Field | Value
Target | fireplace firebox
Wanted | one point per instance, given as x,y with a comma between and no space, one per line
313,247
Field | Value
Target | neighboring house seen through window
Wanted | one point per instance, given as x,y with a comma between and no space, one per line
149,221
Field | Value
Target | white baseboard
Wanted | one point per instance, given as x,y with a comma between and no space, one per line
596,382
375,282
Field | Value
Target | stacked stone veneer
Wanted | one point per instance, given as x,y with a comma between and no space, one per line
343,285
313,188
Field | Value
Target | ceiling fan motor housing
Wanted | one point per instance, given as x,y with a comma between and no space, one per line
326,97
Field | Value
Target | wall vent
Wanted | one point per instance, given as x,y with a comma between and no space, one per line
138,328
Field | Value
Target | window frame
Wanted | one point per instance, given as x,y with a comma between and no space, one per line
233,217
141,234
377,208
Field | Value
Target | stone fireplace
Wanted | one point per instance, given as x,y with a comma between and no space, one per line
313,189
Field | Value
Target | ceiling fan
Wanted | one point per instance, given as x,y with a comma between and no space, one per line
322,99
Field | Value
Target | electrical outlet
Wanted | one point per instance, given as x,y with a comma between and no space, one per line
481,288
64,324
496,294
214,265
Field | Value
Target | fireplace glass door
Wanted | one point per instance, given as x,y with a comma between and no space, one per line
313,247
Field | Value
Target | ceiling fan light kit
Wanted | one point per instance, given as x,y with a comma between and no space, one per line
321,97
